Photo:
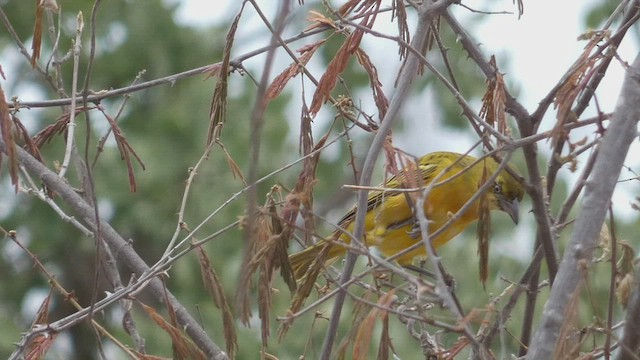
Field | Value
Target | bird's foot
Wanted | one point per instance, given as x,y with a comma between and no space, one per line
420,270
415,232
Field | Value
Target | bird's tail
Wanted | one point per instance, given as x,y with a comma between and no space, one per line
315,258
307,265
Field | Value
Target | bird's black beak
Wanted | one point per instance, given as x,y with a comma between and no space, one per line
510,207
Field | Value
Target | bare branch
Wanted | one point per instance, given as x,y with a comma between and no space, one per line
71,125
124,251
598,190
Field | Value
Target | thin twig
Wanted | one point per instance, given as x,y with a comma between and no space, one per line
92,52
453,89
124,252
570,201
42,195
242,191
71,125
68,297
193,172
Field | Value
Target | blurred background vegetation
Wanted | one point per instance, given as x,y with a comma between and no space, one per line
167,127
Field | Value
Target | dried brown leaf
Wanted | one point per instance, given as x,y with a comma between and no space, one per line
623,289
433,32
305,140
233,165
339,63
184,348
349,6
329,78
266,252
456,348
301,195
564,100
605,239
625,272
24,138
365,329
42,316
59,127
574,83
177,347
376,86
218,112
360,6
209,277
306,147
38,346
264,302
305,285
8,136
37,33
483,232
385,339
318,20
399,12
126,150
47,134
393,156
255,254
278,84
360,313
279,255
628,254
493,109
214,288
567,345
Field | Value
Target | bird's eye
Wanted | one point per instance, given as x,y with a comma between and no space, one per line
497,188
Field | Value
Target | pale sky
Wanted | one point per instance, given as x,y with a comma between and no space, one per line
541,45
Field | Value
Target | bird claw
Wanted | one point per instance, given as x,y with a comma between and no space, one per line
420,270
415,232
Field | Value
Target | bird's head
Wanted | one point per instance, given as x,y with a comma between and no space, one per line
507,194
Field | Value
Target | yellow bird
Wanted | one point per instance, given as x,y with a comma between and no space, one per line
390,225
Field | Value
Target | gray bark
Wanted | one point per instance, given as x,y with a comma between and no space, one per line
613,148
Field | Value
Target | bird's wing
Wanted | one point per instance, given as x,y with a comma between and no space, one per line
427,170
